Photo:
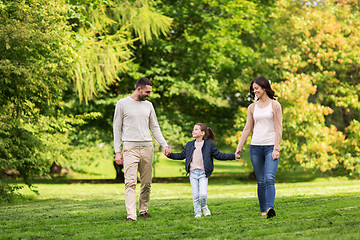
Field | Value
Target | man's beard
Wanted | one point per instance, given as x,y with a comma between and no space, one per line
142,97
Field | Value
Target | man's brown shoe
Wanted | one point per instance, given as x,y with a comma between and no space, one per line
145,215
130,219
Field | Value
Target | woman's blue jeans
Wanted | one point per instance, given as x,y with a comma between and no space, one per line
199,183
265,169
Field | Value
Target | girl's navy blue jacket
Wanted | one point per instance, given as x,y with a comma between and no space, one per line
209,151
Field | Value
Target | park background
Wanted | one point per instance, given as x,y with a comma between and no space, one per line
65,63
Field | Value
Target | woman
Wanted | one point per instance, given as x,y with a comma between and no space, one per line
264,121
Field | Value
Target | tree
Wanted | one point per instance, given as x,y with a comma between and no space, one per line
45,43
311,52
103,36
107,30
193,69
34,62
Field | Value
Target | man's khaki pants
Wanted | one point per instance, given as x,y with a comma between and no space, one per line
137,158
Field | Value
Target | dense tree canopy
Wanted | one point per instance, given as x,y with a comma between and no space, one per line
44,45
312,53
34,65
195,67
102,34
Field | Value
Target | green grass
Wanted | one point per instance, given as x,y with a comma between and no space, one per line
317,209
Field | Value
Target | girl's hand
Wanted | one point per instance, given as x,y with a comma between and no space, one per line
167,151
275,154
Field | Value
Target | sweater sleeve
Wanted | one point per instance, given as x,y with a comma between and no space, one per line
277,124
178,156
155,128
117,127
249,126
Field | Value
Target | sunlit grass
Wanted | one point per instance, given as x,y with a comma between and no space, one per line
216,189
307,207
319,209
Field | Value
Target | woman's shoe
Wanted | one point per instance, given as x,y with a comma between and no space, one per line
271,213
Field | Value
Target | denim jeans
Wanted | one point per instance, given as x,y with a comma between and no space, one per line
199,183
265,169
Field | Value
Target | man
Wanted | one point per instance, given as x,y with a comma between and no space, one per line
133,118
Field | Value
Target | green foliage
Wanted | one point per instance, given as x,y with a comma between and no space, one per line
194,67
322,42
306,138
31,147
87,157
201,72
31,40
34,66
318,46
143,19
351,152
43,44
33,69
102,40
202,69
7,192
312,55
106,30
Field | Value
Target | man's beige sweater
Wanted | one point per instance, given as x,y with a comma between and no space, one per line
133,121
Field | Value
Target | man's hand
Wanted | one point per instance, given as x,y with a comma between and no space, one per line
167,151
119,158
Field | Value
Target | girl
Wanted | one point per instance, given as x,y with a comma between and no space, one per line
199,155
264,120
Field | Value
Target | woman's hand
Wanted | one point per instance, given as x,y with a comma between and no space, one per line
275,154
237,154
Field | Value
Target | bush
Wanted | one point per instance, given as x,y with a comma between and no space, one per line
7,192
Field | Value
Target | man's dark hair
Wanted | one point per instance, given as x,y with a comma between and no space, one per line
142,82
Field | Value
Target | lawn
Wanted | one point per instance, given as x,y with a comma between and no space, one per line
316,209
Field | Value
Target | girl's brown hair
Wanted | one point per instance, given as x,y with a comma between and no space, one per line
209,134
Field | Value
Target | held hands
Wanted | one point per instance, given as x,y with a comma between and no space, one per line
237,154
119,158
167,151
